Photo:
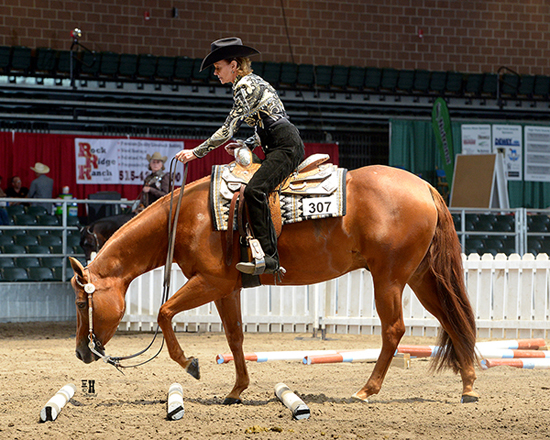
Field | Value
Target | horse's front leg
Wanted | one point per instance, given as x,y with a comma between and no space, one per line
194,293
388,305
229,309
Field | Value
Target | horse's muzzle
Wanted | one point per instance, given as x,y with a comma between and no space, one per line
85,355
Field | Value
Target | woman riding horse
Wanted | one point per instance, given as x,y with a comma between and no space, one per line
257,104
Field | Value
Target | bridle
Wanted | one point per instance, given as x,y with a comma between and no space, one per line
96,240
89,288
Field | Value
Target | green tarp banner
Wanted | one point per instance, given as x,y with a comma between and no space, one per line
441,123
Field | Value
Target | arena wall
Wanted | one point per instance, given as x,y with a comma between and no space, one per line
465,36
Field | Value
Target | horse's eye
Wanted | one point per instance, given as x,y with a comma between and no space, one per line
81,304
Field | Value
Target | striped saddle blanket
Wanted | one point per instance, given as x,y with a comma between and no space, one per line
316,190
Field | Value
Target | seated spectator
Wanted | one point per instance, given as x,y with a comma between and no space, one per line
42,186
16,189
4,218
157,184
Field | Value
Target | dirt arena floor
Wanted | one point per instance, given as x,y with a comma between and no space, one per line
36,360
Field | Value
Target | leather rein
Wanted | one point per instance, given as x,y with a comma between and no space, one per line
90,288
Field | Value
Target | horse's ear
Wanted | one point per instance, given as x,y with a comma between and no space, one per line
77,267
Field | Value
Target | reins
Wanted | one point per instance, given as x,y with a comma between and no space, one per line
89,287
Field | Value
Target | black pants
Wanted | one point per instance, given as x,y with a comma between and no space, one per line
284,150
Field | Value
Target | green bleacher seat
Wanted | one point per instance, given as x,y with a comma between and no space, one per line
25,240
35,210
438,82
165,67
258,67
45,60
323,76
38,249
128,65
289,74
21,59
389,79
52,262
63,64
542,86
14,274
272,73
453,86
50,240
48,220
5,57
421,82
474,83
306,75
90,63
405,82
71,221
6,239
340,76
58,249
58,271
147,66
490,84
183,69
199,76
356,77
509,85
526,86
108,65
15,210
24,220
73,240
40,274
14,232
373,78
27,262
6,262
37,232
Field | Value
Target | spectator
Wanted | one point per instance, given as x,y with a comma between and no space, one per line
16,189
42,186
4,218
157,184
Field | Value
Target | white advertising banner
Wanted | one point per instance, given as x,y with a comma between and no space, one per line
537,154
476,139
509,138
121,161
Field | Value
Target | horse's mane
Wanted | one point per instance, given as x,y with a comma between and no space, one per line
153,209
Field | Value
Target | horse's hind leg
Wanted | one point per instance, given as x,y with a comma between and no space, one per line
229,309
194,293
424,286
388,296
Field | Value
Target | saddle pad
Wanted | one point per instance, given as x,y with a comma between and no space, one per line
295,207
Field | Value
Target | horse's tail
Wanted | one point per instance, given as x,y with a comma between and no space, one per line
445,263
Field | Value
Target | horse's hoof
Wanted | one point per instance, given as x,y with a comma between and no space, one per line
356,397
193,369
469,398
232,401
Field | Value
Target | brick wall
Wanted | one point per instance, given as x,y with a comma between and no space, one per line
467,36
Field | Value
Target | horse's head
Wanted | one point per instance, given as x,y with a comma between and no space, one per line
89,241
99,310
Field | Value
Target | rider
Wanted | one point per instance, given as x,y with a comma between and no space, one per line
257,104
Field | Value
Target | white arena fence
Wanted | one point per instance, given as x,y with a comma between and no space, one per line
509,294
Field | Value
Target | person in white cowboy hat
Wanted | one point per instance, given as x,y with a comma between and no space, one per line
156,184
257,104
42,186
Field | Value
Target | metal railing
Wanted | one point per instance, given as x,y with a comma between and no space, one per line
66,224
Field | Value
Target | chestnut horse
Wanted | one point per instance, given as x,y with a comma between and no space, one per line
396,225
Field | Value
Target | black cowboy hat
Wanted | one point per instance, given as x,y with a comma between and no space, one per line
227,48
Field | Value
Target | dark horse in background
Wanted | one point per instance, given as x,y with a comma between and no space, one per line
94,236
397,226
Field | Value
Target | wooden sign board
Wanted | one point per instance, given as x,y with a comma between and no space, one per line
479,182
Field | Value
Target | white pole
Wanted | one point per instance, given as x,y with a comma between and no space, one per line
299,409
54,406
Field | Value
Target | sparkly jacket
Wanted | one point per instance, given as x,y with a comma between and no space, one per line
256,103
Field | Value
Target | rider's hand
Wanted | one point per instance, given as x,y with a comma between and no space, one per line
231,147
185,156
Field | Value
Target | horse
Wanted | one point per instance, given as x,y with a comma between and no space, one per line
397,226
94,236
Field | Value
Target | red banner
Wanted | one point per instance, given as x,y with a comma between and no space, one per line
20,151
